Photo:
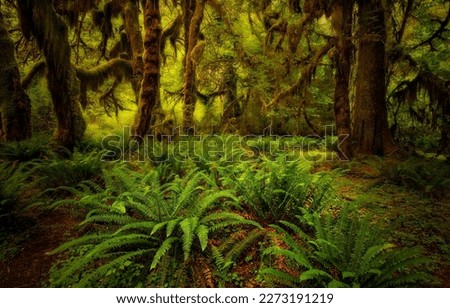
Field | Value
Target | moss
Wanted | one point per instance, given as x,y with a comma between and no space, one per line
39,18
15,106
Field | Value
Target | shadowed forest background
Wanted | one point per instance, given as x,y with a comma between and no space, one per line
213,143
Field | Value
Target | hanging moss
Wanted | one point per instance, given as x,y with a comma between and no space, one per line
121,48
36,70
172,34
305,78
435,88
295,6
94,78
39,19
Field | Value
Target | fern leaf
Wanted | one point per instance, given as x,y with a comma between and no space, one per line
171,226
188,226
162,250
140,225
314,274
90,279
202,234
278,276
109,219
84,240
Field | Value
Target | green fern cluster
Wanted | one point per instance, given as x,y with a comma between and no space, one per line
431,177
159,226
59,172
13,180
278,190
343,252
25,151
175,224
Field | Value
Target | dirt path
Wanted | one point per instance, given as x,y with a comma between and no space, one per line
29,268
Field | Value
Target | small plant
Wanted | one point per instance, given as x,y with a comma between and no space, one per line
277,190
25,151
427,176
343,252
67,172
14,180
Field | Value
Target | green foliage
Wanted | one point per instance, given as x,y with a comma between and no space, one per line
13,180
159,226
343,252
25,151
56,173
278,190
428,176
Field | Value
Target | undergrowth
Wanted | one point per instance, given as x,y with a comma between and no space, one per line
190,217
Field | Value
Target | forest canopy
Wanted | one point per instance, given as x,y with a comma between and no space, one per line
376,70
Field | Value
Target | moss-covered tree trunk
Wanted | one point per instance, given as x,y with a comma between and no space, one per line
39,18
231,108
371,133
149,97
15,106
343,20
190,88
133,30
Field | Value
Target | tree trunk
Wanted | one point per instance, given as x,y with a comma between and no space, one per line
39,18
149,97
371,133
343,15
15,106
133,30
190,68
231,107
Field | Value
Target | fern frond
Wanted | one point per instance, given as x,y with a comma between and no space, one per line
300,259
314,274
280,277
188,226
162,251
145,226
202,235
242,245
116,219
84,240
89,279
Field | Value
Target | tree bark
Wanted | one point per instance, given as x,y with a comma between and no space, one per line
344,12
371,133
15,105
133,30
39,18
150,96
231,107
190,68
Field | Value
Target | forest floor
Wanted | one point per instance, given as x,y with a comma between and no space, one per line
413,217
25,261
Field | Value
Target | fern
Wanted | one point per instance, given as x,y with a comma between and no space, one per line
133,213
343,252
14,180
25,151
277,190
163,250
